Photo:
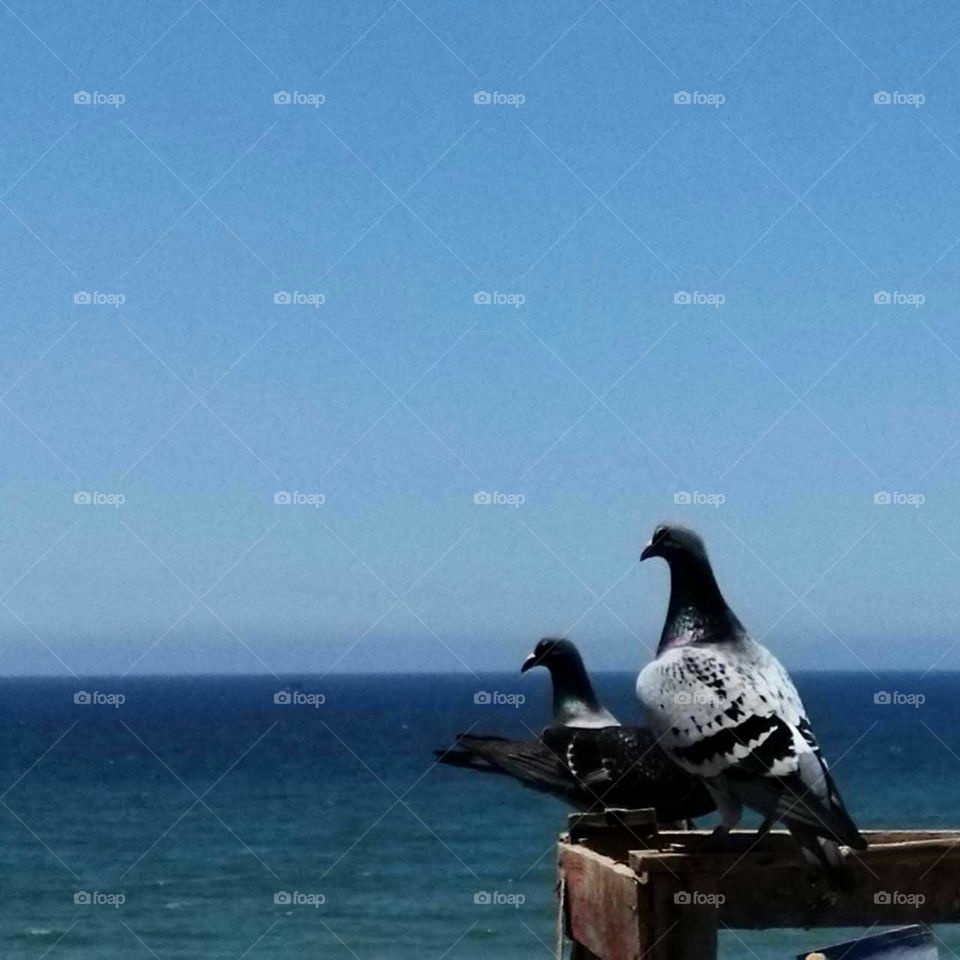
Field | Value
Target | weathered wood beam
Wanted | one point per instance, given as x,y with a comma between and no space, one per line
666,899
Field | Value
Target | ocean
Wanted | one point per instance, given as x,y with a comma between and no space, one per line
185,817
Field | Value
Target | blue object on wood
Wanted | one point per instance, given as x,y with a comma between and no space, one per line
905,943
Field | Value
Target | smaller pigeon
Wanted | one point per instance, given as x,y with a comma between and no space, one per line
585,757
728,712
574,702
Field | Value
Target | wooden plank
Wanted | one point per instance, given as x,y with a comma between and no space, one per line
910,880
701,851
667,900
878,837
585,824
602,903
614,832
780,840
580,952
684,919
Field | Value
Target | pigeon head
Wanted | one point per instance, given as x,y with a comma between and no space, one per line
574,702
554,654
675,544
697,611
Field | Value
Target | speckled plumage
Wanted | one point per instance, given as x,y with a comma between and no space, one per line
727,711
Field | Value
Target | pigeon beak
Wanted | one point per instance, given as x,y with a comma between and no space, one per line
531,661
648,552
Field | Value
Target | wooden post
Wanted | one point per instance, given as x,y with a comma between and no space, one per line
580,952
664,898
684,918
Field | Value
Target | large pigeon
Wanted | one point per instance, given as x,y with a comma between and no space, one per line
585,757
728,713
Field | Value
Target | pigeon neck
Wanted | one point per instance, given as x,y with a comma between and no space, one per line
572,690
697,611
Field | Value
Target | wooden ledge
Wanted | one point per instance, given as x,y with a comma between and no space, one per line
666,896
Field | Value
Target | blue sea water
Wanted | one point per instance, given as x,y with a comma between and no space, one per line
172,823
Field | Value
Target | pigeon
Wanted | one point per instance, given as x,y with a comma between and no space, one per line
728,713
574,702
585,757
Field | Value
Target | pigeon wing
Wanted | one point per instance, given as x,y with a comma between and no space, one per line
626,767
811,798
735,713
529,761
714,714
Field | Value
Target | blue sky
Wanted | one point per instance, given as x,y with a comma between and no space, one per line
783,201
